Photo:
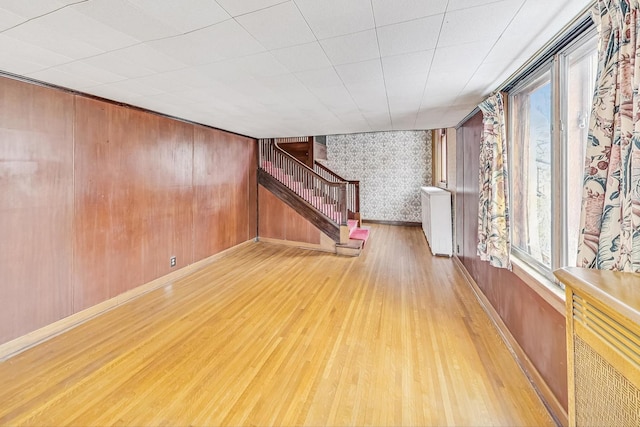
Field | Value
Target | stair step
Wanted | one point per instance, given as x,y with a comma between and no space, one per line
353,248
360,234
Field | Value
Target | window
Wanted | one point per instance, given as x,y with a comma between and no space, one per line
531,169
549,119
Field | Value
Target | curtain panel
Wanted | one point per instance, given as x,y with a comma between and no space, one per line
493,213
610,218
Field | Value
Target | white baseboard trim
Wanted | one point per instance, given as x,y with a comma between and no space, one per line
24,342
541,387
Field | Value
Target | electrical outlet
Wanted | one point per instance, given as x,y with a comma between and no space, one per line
172,261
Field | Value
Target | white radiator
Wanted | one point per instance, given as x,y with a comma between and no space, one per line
437,221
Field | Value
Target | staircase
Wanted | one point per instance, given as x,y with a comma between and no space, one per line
326,200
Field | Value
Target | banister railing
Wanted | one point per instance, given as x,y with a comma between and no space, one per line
328,197
353,187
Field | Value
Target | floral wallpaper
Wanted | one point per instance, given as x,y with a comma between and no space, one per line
391,168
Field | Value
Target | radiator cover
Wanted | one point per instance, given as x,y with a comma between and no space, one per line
603,347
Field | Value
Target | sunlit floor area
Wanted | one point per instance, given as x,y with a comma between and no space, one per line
274,335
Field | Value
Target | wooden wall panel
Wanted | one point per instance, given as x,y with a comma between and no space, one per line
221,190
108,201
271,212
36,206
252,183
166,161
538,327
276,220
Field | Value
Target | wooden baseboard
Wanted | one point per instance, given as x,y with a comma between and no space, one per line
326,243
401,223
549,399
22,343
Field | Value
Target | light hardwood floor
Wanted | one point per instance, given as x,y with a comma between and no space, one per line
272,335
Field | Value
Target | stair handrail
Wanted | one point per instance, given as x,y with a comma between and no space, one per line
353,186
306,179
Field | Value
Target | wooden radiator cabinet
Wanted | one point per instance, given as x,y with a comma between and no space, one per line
603,346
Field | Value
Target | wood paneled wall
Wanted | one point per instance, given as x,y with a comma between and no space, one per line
277,220
538,327
97,197
36,206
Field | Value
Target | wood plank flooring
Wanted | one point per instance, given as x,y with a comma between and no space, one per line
272,335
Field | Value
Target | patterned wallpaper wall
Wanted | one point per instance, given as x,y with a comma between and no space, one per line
391,168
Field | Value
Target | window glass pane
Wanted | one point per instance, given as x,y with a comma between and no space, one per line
580,84
531,169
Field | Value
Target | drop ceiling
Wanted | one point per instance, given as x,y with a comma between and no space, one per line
268,68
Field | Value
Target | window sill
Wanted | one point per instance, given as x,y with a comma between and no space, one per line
545,288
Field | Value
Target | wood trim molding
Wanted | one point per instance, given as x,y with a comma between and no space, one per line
402,223
549,399
25,342
548,291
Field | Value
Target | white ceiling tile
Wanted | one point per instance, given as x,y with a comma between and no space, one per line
281,82
320,78
136,87
466,4
369,72
160,83
334,97
308,56
331,18
114,93
183,17
88,71
261,65
460,59
277,26
408,63
407,86
32,8
394,11
72,34
404,107
355,47
517,43
9,19
173,98
126,18
368,96
412,36
135,61
64,79
222,41
404,122
236,7
470,25
452,116
23,58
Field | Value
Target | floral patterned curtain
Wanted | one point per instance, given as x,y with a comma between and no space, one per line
493,212
610,220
